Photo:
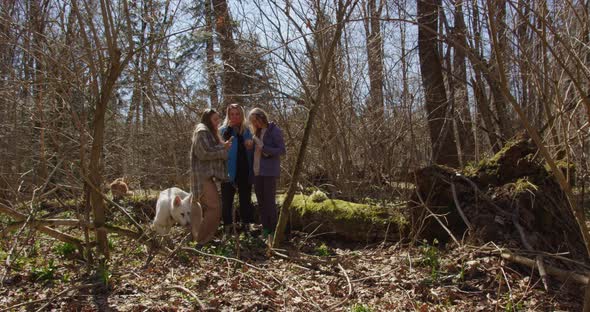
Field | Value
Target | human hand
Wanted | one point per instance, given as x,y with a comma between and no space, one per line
257,140
227,144
249,144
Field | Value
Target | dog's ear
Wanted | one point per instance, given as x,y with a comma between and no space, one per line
177,201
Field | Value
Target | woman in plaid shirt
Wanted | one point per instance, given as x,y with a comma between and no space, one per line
208,166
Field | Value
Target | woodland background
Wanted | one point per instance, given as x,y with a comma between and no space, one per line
366,91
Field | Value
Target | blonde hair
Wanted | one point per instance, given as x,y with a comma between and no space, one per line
240,109
261,116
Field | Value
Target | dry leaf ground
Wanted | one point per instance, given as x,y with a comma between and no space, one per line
308,275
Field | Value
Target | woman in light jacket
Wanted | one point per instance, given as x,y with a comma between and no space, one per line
208,165
269,146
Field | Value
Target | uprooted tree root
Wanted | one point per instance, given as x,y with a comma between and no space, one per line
510,199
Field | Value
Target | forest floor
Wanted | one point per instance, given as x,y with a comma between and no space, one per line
309,274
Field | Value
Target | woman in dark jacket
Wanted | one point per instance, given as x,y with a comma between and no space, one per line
239,167
269,146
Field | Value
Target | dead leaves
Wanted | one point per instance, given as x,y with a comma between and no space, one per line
390,278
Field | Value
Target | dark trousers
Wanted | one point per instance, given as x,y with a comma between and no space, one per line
228,191
266,188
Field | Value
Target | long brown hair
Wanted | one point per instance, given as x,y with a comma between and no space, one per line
206,120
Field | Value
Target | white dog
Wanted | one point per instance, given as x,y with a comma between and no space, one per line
173,206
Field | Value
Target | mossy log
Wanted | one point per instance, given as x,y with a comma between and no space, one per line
510,199
330,217
345,220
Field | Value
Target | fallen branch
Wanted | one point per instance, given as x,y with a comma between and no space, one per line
66,291
542,271
19,217
40,222
436,217
77,287
141,237
349,290
305,263
194,250
98,191
560,274
458,206
202,306
538,259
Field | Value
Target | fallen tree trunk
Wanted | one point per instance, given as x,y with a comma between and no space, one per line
349,221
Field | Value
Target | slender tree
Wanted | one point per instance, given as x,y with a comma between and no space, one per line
444,149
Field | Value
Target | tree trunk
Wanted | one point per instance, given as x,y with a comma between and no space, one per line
375,60
96,199
232,87
479,71
498,29
324,81
37,28
461,111
210,64
444,150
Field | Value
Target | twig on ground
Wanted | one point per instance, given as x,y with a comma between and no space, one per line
542,271
560,274
64,292
349,289
194,250
436,217
96,189
507,284
202,306
173,252
310,262
49,300
458,206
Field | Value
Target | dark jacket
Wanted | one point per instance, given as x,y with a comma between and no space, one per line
272,150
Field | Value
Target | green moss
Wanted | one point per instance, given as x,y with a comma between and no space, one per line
318,196
523,185
489,166
494,159
322,250
562,165
340,210
140,199
470,170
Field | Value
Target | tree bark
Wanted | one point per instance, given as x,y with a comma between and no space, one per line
232,86
444,150
324,82
498,29
37,13
96,152
461,110
375,60
210,64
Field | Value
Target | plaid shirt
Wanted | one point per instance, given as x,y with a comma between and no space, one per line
208,159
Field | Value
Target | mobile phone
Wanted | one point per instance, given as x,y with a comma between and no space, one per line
227,134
